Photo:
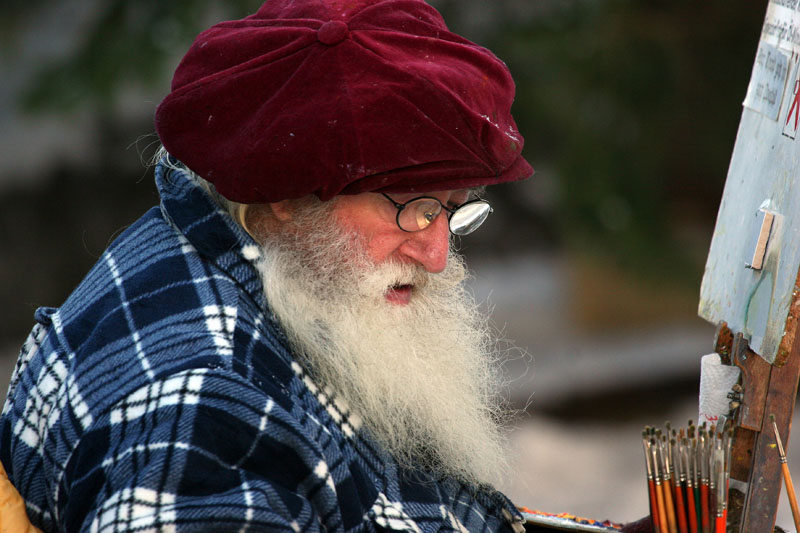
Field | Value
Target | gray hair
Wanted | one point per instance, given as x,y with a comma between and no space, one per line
234,209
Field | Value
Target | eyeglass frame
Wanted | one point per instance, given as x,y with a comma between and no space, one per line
451,212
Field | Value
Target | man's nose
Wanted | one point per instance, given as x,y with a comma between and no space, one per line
430,247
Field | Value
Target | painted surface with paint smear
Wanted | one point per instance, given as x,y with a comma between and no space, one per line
762,178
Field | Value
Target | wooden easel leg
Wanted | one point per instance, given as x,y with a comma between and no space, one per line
765,477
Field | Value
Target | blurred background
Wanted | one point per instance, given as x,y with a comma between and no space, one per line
593,267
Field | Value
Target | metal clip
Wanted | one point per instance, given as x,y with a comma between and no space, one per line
735,396
738,349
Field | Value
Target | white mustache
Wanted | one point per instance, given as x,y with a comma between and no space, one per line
378,280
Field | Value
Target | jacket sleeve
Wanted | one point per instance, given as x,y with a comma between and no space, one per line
200,450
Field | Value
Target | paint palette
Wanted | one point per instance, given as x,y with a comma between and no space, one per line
567,522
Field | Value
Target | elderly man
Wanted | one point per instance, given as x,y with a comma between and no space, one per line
286,343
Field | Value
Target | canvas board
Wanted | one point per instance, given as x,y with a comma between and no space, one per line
763,182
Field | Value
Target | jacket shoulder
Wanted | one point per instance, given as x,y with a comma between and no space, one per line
151,306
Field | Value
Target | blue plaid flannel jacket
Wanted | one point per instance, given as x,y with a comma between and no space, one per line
162,397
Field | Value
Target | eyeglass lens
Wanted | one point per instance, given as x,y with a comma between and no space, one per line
420,213
468,217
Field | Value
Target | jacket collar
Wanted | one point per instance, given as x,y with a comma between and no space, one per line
207,227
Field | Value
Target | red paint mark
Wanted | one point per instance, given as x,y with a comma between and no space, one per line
795,109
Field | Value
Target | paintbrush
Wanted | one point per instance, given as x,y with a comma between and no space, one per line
688,477
679,481
662,513
712,480
692,512
694,466
669,503
702,461
651,484
721,494
787,477
728,446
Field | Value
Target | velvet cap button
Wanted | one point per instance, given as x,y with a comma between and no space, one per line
332,32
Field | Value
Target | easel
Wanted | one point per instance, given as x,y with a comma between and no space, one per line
769,389
751,287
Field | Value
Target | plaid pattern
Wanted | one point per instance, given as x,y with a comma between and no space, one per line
161,396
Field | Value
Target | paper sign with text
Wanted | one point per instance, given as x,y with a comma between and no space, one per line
782,25
765,92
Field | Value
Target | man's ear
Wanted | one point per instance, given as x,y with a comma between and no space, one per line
261,219
282,210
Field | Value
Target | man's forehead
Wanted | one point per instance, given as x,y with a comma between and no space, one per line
445,195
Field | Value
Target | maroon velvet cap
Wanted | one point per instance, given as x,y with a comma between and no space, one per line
340,97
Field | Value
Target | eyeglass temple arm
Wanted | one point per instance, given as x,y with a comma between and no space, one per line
397,205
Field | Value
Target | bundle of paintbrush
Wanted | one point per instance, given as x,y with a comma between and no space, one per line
688,474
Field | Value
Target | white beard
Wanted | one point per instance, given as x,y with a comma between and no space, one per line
423,377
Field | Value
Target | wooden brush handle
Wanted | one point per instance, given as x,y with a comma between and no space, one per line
704,512
787,478
669,506
662,512
692,511
680,509
651,486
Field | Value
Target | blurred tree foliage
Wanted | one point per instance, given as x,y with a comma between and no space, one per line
629,107
127,42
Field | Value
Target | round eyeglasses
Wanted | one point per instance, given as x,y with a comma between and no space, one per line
419,213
